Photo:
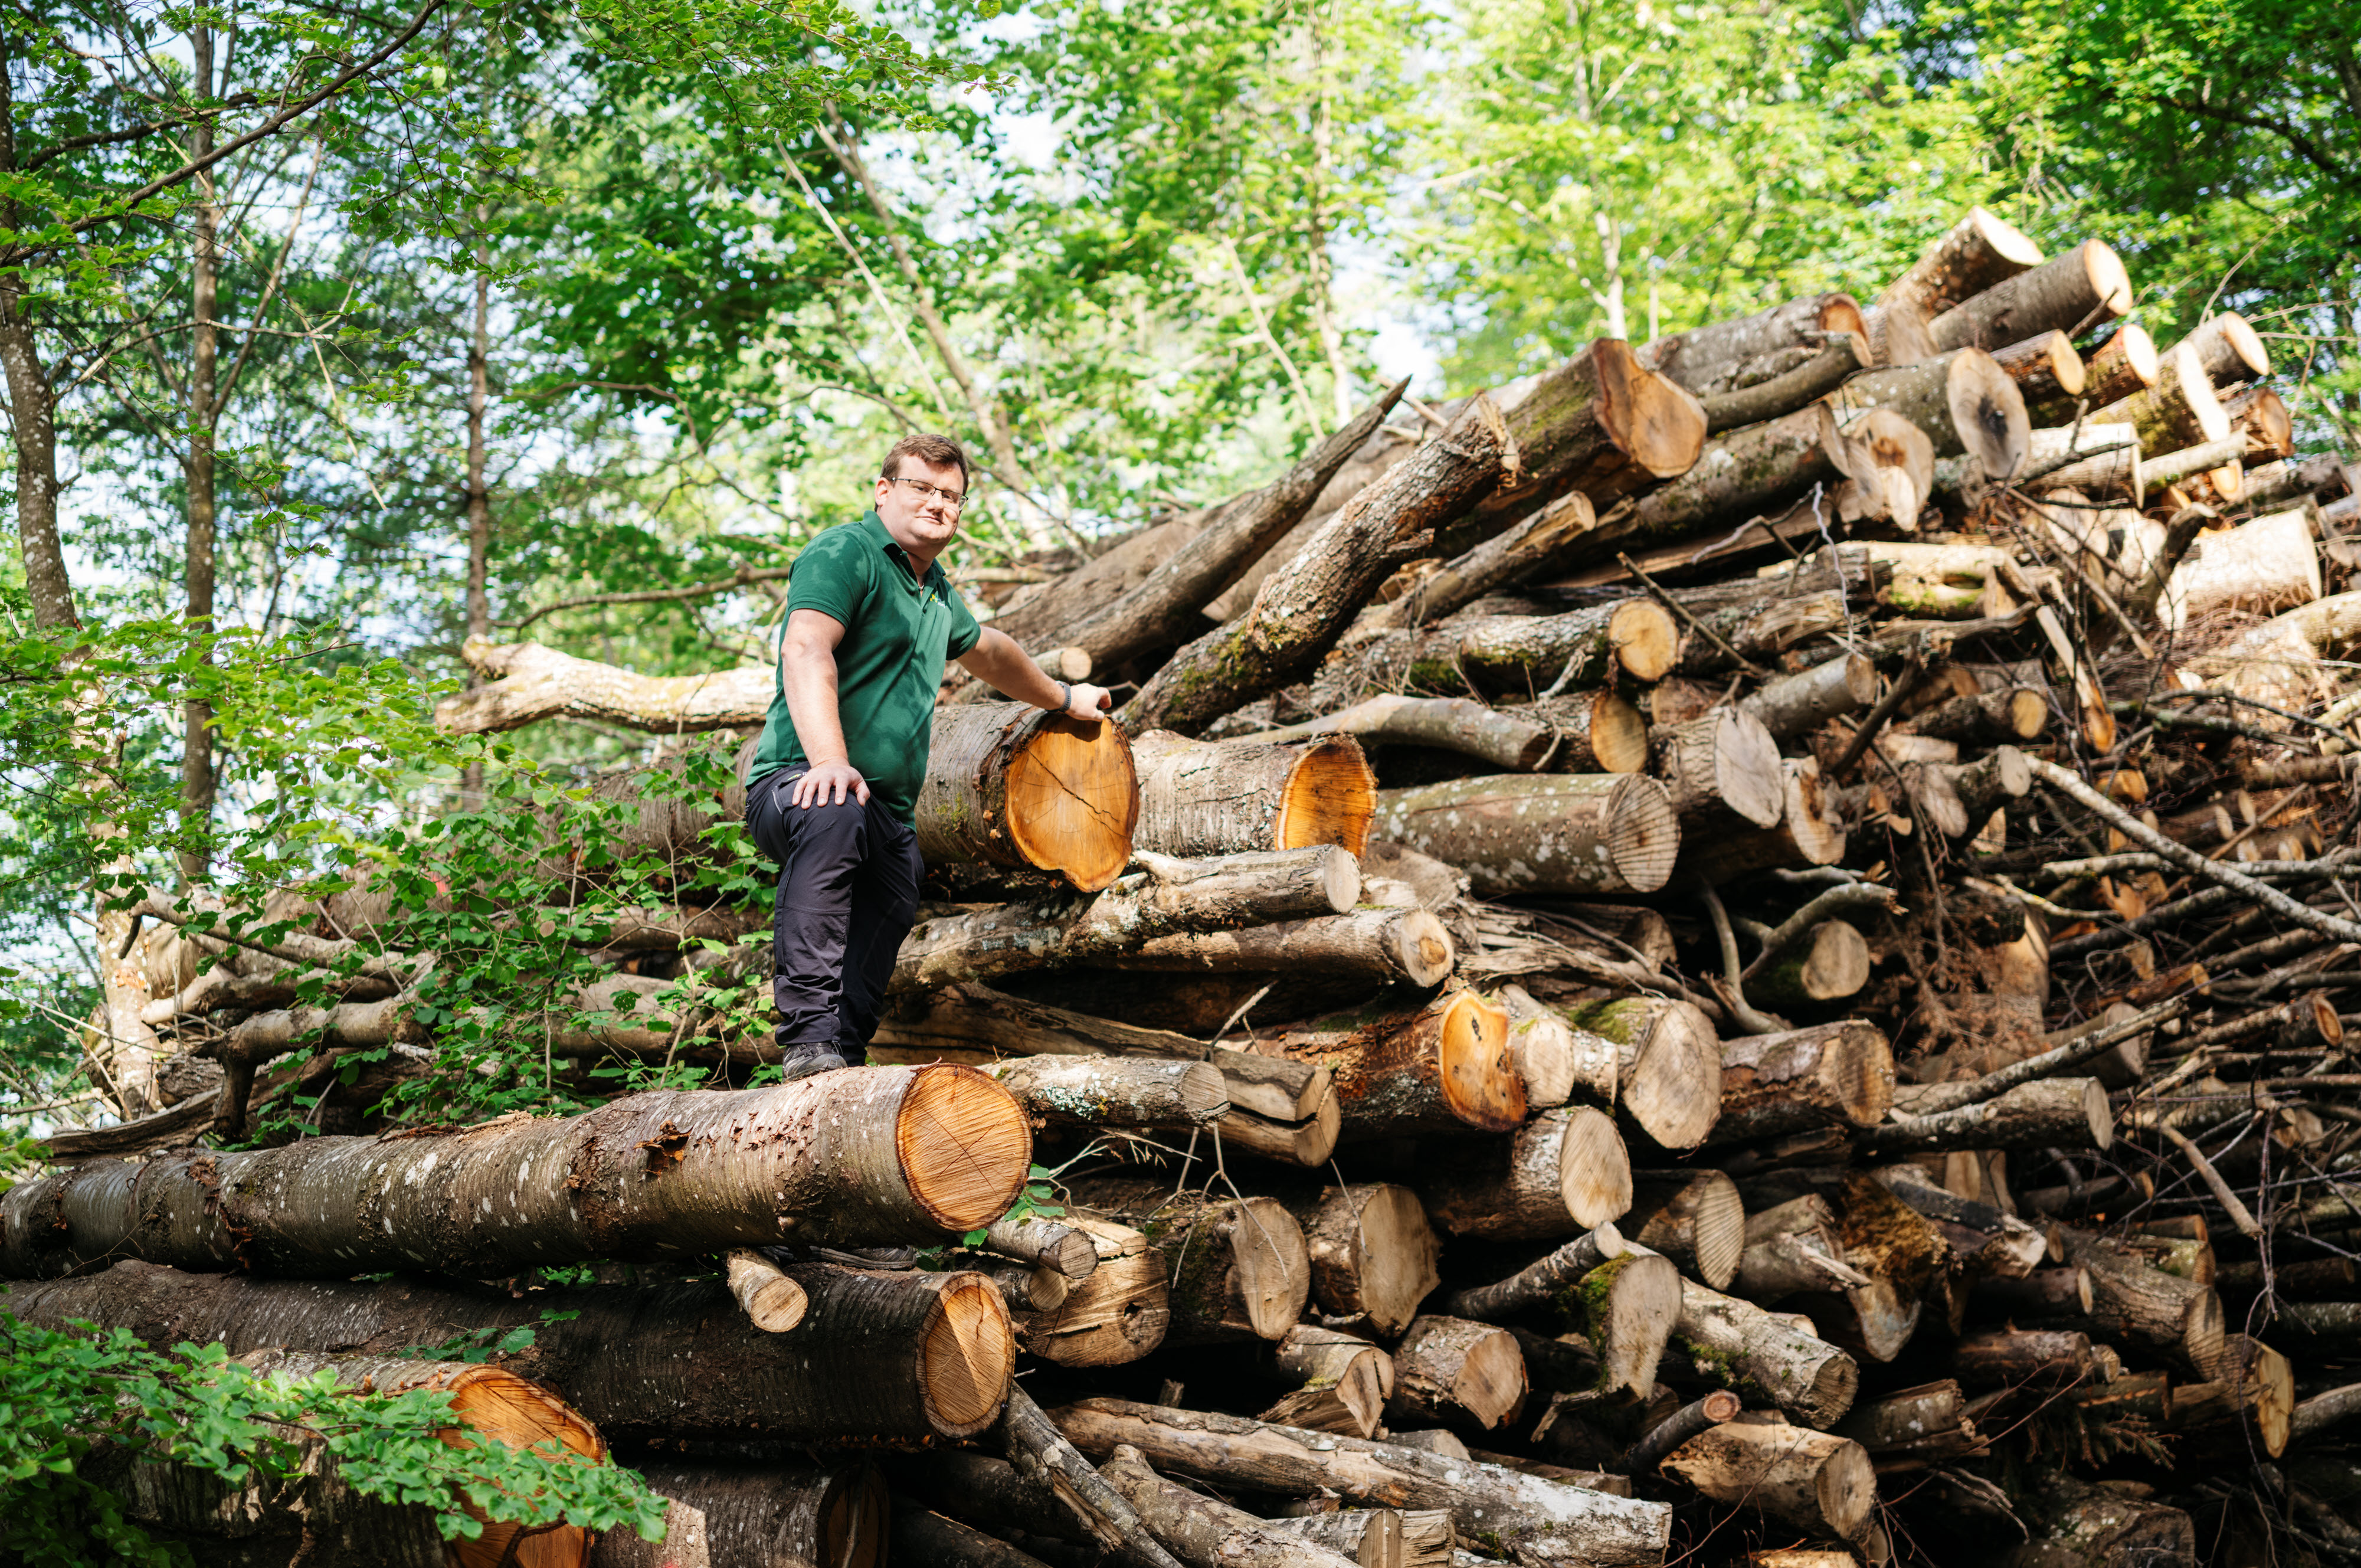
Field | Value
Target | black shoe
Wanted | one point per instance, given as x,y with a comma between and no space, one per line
803,1061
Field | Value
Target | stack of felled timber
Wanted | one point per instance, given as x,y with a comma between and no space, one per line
1729,952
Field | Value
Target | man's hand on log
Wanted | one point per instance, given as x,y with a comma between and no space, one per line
1089,702
828,783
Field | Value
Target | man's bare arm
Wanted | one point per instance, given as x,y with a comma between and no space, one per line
807,671
1000,663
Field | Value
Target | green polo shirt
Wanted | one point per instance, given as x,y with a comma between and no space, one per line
899,630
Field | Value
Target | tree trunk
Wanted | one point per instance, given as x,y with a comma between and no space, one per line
770,1297
1118,1313
530,683
1449,1371
1037,613
1219,799
1168,898
1630,1306
1565,1171
1596,732
1510,742
1729,355
1831,1075
1303,607
1120,1091
2066,294
2054,1113
1986,718
1817,1482
1554,1058
1846,356
201,406
865,1156
2228,349
1372,1252
2251,1400
1014,786
1344,1383
2124,364
1721,770
1381,944
1694,1218
1963,400
720,1515
1205,1533
1236,1269
879,1355
2023,1358
1538,1282
2160,1310
932,1538
1443,1068
1582,647
1583,833
1789,706
2261,415
1828,965
2044,368
1977,253
1483,1499
1503,558
2261,567
2178,411
1811,832
1670,1064
1737,1346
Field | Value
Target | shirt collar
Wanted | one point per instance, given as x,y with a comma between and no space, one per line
874,527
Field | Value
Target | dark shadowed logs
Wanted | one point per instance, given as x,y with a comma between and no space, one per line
929,1536
1522,654
2076,1524
1789,706
1562,1172
774,1302
1538,1282
1829,964
1483,1499
1873,1321
2160,1310
1503,558
1163,609
2228,349
1444,1067
1008,785
1372,1252
1237,1268
2068,294
1515,742
1694,1218
1731,355
1963,400
1450,1371
1169,897
1721,769
906,1354
1199,799
1114,1091
2181,410
1202,1532
864,1155
1811,832
1831,1075
1378,944
1986,718
1812,1480
2055,1112
1794,1248
1344,1382
720,1515
1928,1421
1119,1313
2015,1358
2250,1398
1307,1139
1601,423
1304,603
2043,367
1629,1308
2045,1297
1737,1346
1554,833
1670,1064
1053,1467
1598,732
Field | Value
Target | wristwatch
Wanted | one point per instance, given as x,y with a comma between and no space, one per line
1065,696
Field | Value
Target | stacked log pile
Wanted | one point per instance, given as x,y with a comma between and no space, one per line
1731,952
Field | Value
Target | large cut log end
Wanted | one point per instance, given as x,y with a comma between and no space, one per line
1476,1069
1330,797
968,1356
964,1145
1659,424
1073,800
1988,411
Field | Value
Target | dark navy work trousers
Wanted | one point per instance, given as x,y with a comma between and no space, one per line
849,879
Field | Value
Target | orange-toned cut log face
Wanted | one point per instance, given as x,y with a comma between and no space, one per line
964,1146
969,1355
1480,1083
508,1410
1332,795
1073,800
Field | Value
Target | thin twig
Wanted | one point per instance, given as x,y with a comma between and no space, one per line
1906,681
2240,1216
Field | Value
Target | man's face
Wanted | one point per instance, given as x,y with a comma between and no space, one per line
919,521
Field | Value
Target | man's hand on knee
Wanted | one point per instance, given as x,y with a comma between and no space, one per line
826,783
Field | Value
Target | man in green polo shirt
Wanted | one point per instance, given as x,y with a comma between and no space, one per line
870,620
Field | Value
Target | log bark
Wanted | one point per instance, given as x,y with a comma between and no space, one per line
720,1515
1565,1171
1119,1313
1043,1244
1345,1392
1085,1091
1379,944
864,1155
1168,898
1236,1269
1729,355
2097,1527
1483,1499
2179,411
1220,799
1812,1480
1811,832
2251,1392
1205,1533
1304,605
2055,1113
1444,1067
878,1355
1964,402
1979,252
1721,770
1043,1455
1372,1252
1451,1371
1737,1346
1829,964
2228,349
1510,742
2043,367
1846,357
1539,1281
1694,1218
2261,567
1670,1064
526,683
2261,416
2012,1358
1792,1249
773,1302
1596,732
1584,647
1011,785
2160,1310
1564,833
1379,1537
1789,706
928,1536
1506,557
2068,294
1830,1074
1986,718
1556,1059
1630,1306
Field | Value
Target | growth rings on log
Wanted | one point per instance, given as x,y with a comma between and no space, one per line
1010,785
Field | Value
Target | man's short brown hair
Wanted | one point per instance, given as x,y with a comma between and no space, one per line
940,451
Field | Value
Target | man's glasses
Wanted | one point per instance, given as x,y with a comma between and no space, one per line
927,492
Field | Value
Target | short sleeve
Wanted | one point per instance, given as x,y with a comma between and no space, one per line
831,576
966,631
